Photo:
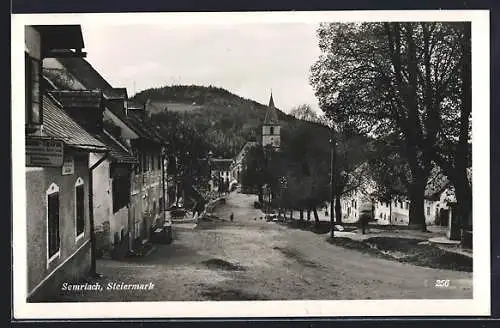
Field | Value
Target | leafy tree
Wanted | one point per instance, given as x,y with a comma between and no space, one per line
253,174
305,112
453,150
391,80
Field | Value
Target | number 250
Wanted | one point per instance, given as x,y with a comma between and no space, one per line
442,283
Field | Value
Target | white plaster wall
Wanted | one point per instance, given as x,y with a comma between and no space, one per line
102,194
32,42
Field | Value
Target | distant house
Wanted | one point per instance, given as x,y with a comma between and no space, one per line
129,124
438,197
237,165
58,174
220,174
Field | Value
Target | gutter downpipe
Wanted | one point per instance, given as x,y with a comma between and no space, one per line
93,269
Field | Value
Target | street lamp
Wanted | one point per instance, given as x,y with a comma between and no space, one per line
209,162
332,185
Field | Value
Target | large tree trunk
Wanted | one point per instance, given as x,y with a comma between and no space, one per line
417,214
308,214
316,217
464,204
338,210
390,210
463,189
301,217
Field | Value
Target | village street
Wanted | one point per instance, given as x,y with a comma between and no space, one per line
257,260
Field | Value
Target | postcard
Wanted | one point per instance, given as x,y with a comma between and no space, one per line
251,164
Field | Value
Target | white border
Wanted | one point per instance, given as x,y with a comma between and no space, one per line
479,305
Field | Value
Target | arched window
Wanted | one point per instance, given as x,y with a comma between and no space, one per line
79,208
53,238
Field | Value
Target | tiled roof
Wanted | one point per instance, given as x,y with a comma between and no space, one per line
89,77
221,163
132,104
244,150
78,98
57,124
436,184
116,93
117,153
85,73
135,119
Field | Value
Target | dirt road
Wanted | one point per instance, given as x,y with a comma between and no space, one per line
250,259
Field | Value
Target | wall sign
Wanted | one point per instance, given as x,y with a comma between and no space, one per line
44,152
68,166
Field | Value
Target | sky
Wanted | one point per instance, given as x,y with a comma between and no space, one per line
248,59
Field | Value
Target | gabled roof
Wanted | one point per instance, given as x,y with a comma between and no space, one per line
134,118
244,150
85,73
93,99
58,124
91,79
437,183
116,151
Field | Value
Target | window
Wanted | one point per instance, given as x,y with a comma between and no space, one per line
79,207
407,205
428,210
121,192
161,205
32,80
271,130
53,239
145,162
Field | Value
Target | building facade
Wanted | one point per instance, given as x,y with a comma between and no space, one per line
139,184
221,176
58,176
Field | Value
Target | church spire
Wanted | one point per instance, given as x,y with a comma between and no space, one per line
271,101
271,117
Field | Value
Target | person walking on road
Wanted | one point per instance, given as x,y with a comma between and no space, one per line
231,217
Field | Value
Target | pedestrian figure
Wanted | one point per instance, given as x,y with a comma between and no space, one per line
364,222
231,217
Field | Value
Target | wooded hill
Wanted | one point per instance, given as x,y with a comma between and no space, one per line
225,121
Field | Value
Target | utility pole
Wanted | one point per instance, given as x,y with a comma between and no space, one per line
332,185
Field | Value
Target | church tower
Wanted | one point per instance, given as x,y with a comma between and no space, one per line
271,127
